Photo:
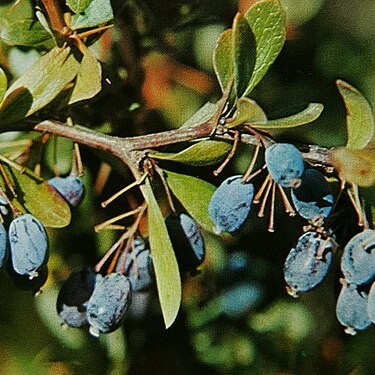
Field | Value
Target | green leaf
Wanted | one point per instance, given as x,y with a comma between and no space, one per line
310,114
243,43
248,111
202,115
167,274
359,116
194,194
267,20
97,13
89,78
223,58
11,11
355,166
39,85
40,199
73,339
25,32
78,6
200,154
3,84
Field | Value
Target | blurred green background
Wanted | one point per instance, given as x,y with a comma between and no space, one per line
236,317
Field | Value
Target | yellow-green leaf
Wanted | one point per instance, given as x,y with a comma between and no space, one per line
78,6
3,84
89,79
267,20
359,116
39,85
200,154
25,32
248,111
167,274
355,166
310,114
40,199
223,58
194,194
243,43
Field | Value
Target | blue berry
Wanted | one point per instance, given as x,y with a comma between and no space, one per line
239,299
351,309
313,199
285,164
3,205
187,241
73,297
139,267
307,263
358,258
371,303
3,245
28,245
230,204
108,303
71,188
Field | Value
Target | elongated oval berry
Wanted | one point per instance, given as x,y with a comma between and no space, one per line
285,164
230,204
3,245
187,241
313,199
74,296
108,303
351,309
358,258
28,244
71,188
139,267
307,263
371,303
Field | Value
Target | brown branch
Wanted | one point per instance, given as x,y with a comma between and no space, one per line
129,149
55,16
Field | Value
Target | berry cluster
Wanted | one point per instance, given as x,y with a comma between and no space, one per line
26,240
308,262
311,194
355,308
103,302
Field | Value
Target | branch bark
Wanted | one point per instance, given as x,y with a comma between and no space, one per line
55,16
130,149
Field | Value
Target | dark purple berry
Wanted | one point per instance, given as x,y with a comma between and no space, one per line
73,297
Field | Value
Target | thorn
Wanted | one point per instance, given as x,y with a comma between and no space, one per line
105,224
124,190
265,198
272,211
288,206
237,137
247,175
261,190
